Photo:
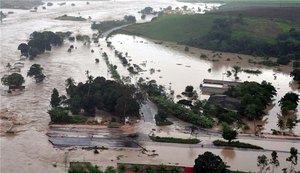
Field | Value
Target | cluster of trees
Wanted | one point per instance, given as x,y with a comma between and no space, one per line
16,79
254,98
266,164
289,102
122,100
191,114
286,46
99,93
208,162
40,42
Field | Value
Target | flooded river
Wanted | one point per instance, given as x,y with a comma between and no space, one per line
26,114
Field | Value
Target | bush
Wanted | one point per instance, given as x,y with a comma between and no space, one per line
236,144
174,140
283,61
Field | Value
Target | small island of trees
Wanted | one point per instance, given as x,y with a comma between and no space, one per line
96,93
40,42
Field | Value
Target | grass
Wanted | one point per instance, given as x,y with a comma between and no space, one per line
181,28
174,140
236,144
72,18
174,28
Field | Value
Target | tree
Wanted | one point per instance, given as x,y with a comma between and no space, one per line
236,70
58,115
208,162
24,48
262,163
55,99
296,74
280,123
110,169
274,160
70,84
228,133
289,102
14,79
36,71
293,158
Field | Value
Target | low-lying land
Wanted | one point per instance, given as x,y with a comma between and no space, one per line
236,144
258,36
72,18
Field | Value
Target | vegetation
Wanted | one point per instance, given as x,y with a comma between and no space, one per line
192,115
296,74
87,167
174,140
72,18
230,34
161,118
254,98
40,42
36,71
264,163
112,68
228,133
15,79
61,116
208,162
289,102
252,71
236,144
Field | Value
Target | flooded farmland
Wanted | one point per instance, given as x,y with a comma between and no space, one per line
27,149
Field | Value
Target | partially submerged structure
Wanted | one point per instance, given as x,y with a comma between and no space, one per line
212,87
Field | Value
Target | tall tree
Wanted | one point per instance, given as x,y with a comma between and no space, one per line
55,99
236,70
262,163
274,160
293,158
208,162
228,133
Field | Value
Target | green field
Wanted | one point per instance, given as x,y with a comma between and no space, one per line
238,4
174,28
180,28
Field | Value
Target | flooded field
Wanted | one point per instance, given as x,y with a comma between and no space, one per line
175,69
27,149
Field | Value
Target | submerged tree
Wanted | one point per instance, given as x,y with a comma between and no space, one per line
274,160
262,163
293,158
36,71
55,99
208,162
14,79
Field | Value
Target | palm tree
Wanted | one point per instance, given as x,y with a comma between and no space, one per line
236,70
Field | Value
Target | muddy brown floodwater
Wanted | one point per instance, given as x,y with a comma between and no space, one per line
26,148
